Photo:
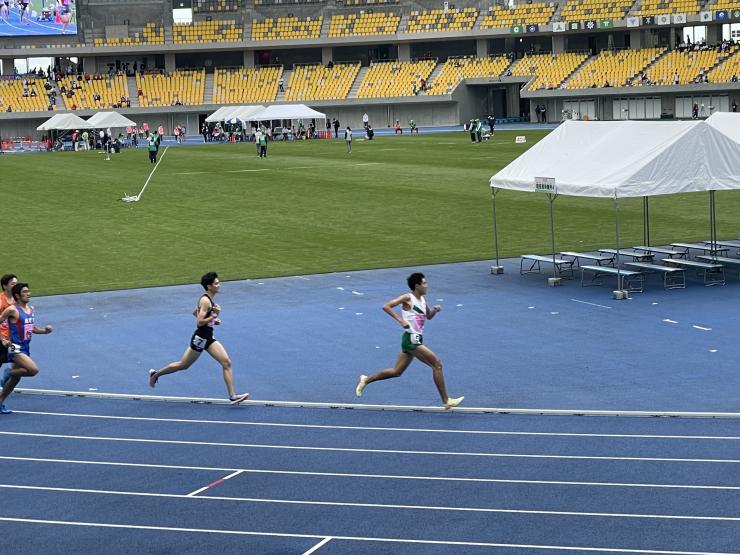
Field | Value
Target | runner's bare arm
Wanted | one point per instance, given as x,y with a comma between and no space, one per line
390,305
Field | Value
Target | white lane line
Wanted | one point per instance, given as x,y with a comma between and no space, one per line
214,483
702,328
190,173
592,304
241,171
669,321
486,510
318,546
373,451
355,538
373,428
373,476
368,164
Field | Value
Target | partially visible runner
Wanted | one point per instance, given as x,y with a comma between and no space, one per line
6,299
414,313
22,326
206,314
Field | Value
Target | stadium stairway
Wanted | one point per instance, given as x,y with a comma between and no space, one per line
358,81
208,92
433,76
286,83
133,91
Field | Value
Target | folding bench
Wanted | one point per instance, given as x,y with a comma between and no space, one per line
673,278
562,266
714,274
631,280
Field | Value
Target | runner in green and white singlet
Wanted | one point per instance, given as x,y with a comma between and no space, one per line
414,314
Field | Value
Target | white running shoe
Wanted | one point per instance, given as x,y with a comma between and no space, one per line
236,399
152,378
451,403
361,385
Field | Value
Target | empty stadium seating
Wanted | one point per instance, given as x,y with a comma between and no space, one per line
442,20
550,70
457,69
185,87
317,82
659,7
11,96
246,86
369,2
109,90
364,24
287,28
204,32
152,33
727,69
686,66
537,13
388,79
209,6
595,10
613,67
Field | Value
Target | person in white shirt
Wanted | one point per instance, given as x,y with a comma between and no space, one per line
348,139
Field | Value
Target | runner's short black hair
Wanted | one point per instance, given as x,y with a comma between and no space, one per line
17,288
6,279
208,279
415,279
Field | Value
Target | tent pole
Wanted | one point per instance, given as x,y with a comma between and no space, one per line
646,221
619,294
554,280
497,269
712,224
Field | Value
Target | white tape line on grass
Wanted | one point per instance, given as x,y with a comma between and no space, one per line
141,193
352,538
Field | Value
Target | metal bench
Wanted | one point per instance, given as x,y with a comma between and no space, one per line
631,280
700,247
662,250
637,256
714,274
562,266
598,258
673,278
729,244
721,260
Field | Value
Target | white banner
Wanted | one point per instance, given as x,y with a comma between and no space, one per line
558,26
633,22
679,18
705,16
663,19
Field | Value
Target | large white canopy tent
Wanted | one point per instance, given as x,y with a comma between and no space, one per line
287,111
109,119
64,122
624,159
241,113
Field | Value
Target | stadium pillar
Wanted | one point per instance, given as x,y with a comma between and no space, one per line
88,65
714,34
249,59
558,44
327,54
8,65
404,52
169,63
481,48
636,38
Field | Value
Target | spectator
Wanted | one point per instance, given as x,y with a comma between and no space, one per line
397,128
734,105
695,111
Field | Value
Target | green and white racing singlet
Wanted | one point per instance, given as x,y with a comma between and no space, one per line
415,318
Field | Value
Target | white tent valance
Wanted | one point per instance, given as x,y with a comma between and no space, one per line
287,111
628,159
64,122
242,113
109,119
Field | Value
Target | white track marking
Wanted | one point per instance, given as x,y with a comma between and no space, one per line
372,476
214,483
592,304
242,171
702,328
374,428
355,538
485,510
373,451
669,321
318,546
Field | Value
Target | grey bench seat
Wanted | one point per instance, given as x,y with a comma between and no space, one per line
721,260
562,266
714,274
600,259
700,247
631,280
661,250
673,278
636,255
733,244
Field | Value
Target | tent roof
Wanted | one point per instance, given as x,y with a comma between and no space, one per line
110,119
287,111
227,113
627,159
726,122
64,121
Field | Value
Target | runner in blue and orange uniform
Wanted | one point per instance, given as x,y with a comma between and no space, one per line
22,326
6,299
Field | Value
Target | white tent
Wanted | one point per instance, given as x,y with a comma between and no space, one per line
64,122
626,159
241,113
287,111
109,119
726,122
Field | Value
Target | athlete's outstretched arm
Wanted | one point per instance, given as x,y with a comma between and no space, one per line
432,311
44,330
390,305
10,312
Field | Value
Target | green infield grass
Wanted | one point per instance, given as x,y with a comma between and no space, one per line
308,208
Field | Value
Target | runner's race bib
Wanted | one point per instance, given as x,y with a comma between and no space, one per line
415,338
